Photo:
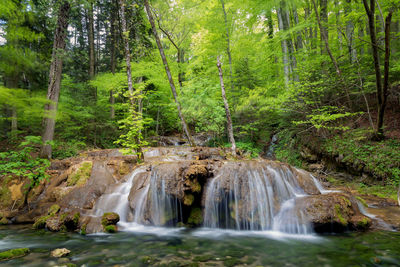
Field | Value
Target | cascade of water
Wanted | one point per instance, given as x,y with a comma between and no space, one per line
115,198
150,204
261,198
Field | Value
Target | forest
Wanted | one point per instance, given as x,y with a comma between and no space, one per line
312,84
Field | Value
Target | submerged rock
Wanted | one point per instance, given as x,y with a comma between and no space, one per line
109,221
60,252
13,253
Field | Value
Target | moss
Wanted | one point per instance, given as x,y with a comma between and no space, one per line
203,258
109,218
40,223
195,186
3,221
363,223
76,218
347,201
13,253
54,209
83,229
148,260
5,196
110,229
123,169
339,215
362,201
80,176
231,262
195,217
188,199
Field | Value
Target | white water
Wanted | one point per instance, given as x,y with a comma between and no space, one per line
258,201
262,200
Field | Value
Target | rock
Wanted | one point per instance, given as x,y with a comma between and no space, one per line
109,218
334,212
315,167
60,252
111,229
3,221
14,253
54,224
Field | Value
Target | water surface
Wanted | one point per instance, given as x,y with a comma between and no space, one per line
160,247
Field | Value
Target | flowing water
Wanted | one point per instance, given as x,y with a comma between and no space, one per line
199,248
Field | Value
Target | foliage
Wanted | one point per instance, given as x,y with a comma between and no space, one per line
381,159
23,163
287,149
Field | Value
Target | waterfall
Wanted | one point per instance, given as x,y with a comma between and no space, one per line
141,199
256,197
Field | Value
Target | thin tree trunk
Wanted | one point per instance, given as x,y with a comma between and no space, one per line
227,112
125,36
168,72
285,53
299,38
112,53
270,25
91,42
323,21
328,50
53,91
228,44
340,38
380,90
350,34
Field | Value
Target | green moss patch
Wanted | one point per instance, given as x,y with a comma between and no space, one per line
188,199
110,229
13,253
80,176
196,216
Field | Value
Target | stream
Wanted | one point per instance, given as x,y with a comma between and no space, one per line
178,247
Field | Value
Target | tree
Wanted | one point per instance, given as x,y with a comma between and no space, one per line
381,90
53,91
168,72
227,112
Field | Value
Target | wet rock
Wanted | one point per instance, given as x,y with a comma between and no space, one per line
60,252
109,218
334,212
13,253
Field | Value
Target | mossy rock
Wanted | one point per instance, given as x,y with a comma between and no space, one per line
195,217
82,231
110,229
14,253
81,175
53,209
3,221
188,199
40,223
109,218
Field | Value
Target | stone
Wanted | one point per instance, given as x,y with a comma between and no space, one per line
334,212
109,218
13,253
60,252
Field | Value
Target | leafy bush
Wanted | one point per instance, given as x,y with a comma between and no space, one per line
23,163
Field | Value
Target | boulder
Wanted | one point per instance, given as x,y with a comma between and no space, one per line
60,252
109,218
335,212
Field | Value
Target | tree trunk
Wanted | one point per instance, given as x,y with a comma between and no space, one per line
299,38
112,53
228,44
270,25
125,36
91,42
53,90
381,91
168,72
323,23
328,50
285,53
350,34
227,112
